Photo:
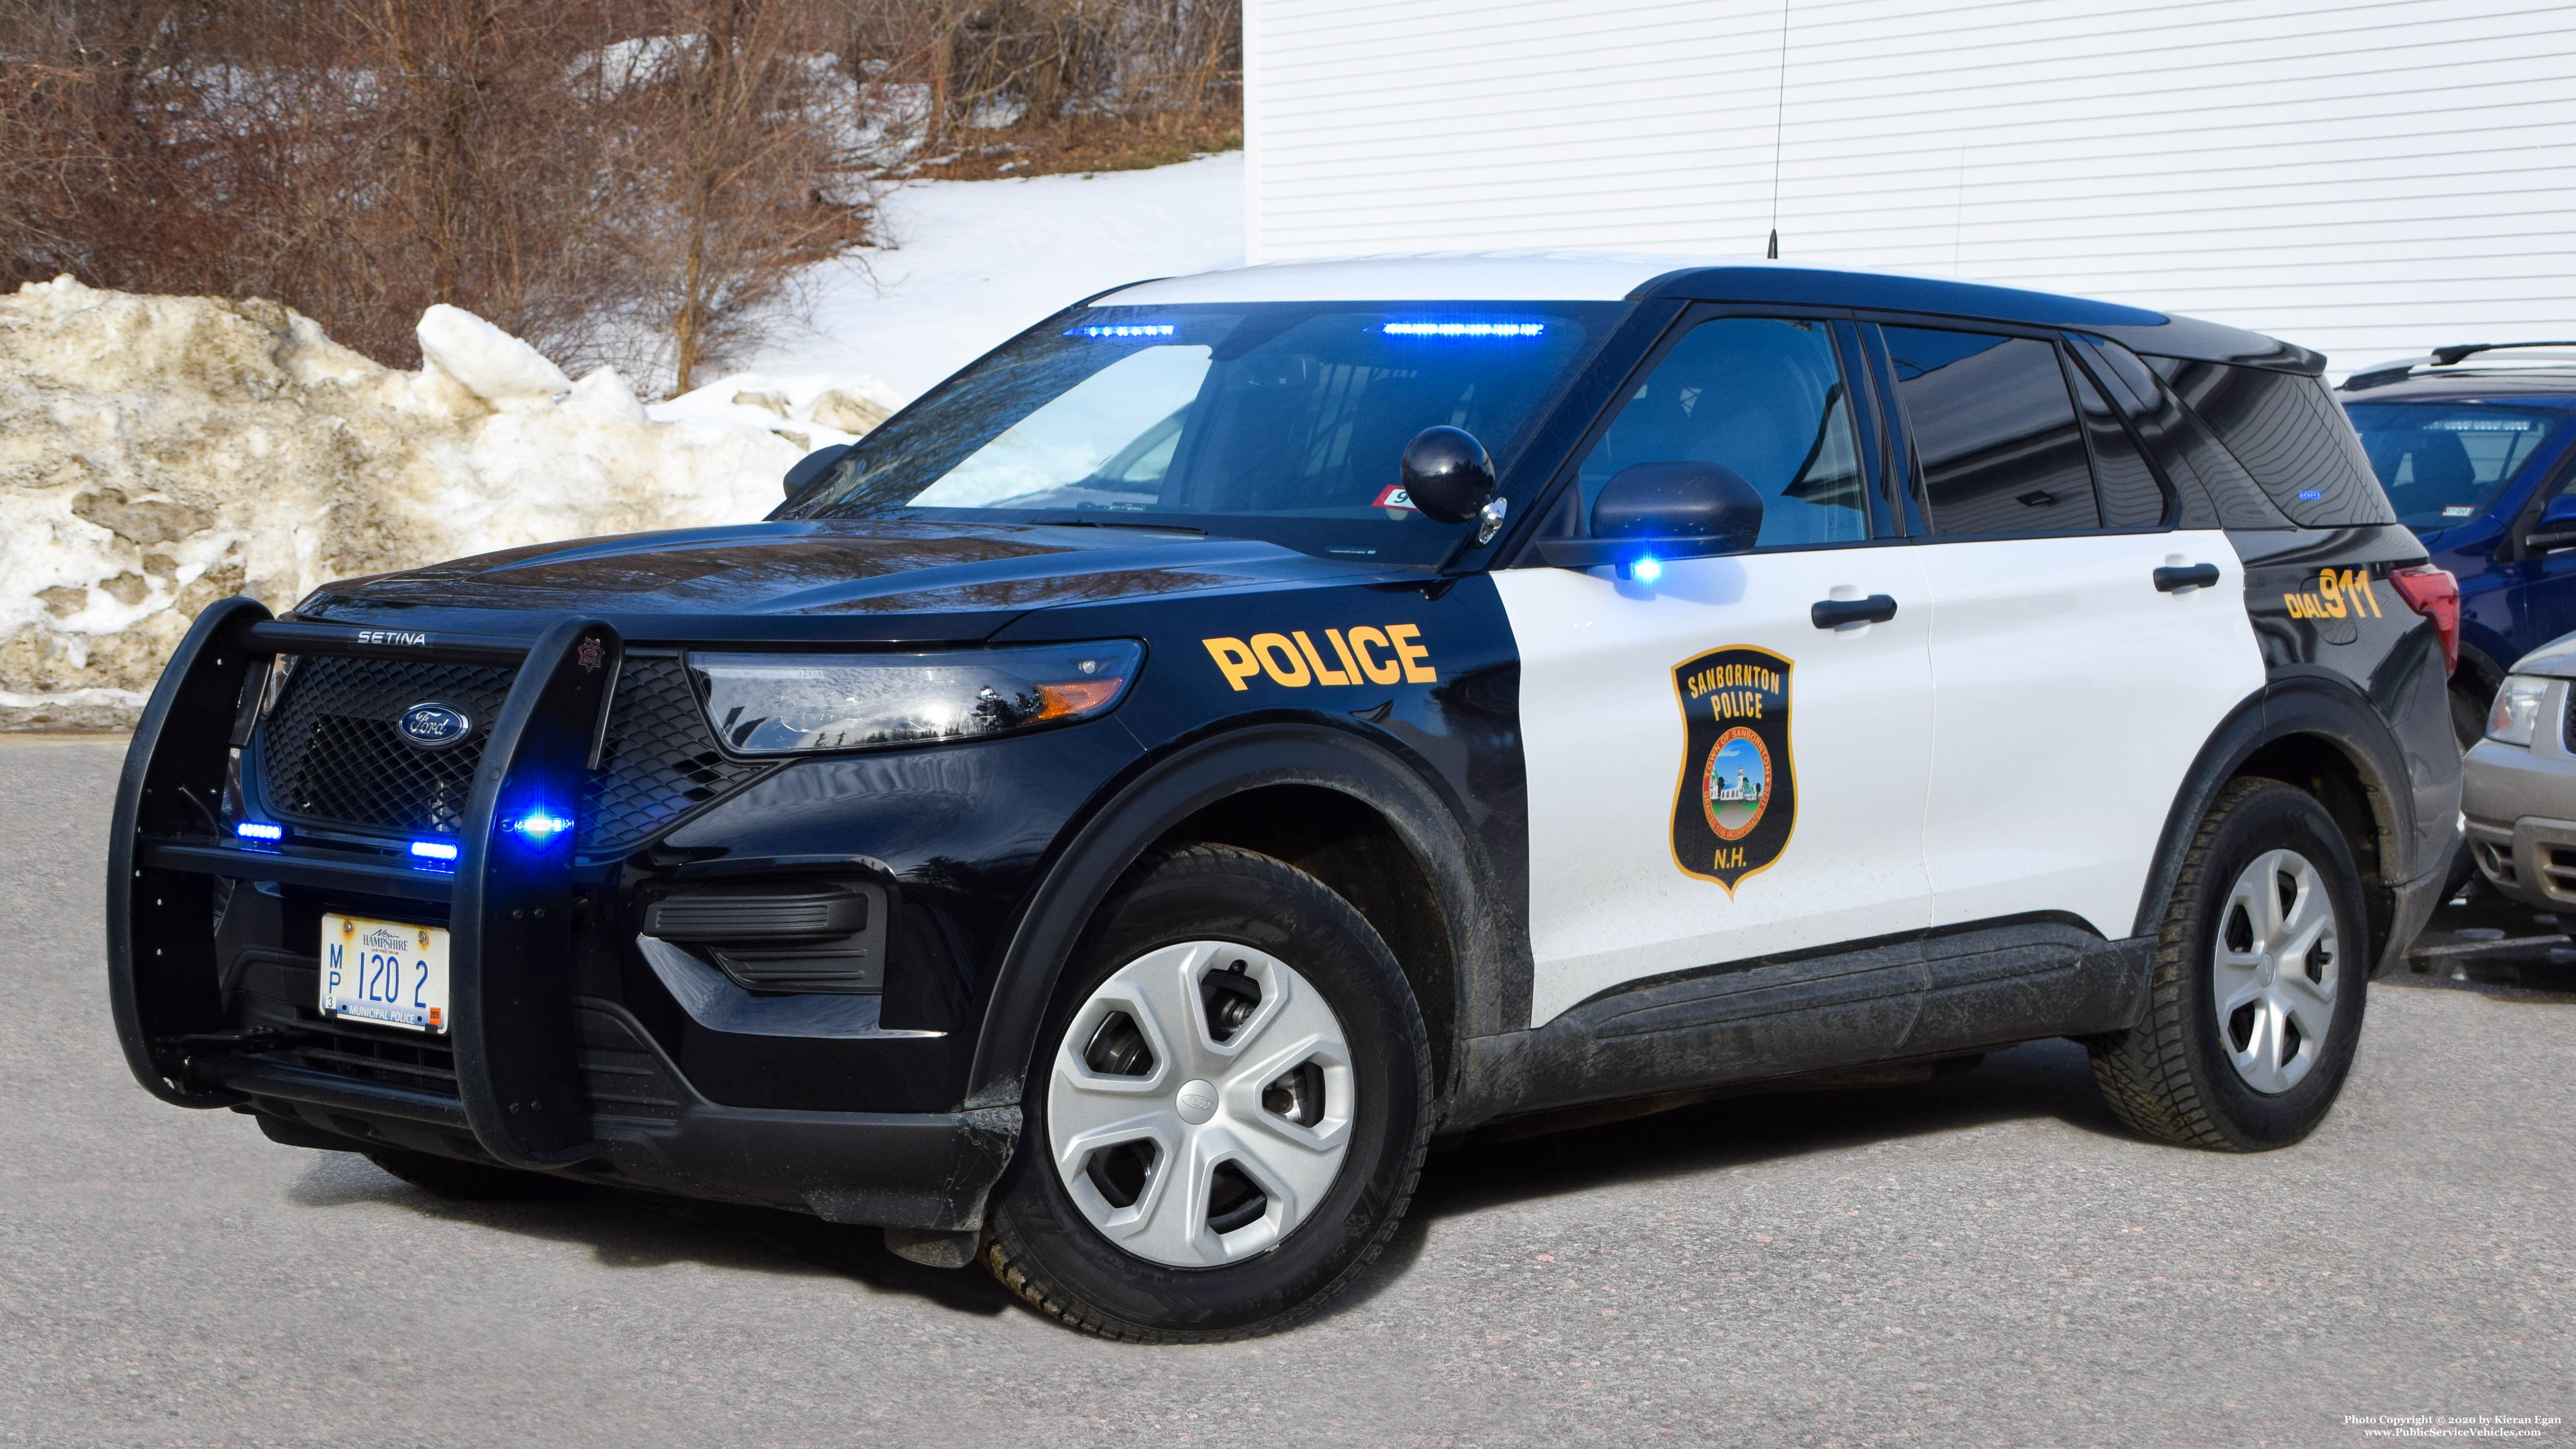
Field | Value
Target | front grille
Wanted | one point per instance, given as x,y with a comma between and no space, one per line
424,1064
332,757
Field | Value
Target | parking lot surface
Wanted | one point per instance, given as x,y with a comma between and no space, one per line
1984,1259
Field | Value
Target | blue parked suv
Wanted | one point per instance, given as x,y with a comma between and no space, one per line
2480,461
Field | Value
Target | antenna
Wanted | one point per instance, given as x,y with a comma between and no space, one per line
1779,115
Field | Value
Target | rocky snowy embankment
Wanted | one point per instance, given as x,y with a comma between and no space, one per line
159,453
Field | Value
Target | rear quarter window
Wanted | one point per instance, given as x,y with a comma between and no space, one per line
2286,432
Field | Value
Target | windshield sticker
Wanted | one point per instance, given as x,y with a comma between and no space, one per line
1737,800
1368,654
1394,500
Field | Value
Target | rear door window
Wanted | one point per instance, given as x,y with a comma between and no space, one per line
2131,494
1995,432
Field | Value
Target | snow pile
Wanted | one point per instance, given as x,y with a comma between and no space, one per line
159,453
808,409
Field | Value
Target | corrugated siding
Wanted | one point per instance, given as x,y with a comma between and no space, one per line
2366,179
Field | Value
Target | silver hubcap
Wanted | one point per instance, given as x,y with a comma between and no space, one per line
1200,1104
2274,972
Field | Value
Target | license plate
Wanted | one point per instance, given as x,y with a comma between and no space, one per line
390,972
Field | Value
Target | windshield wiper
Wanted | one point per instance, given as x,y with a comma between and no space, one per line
1106,523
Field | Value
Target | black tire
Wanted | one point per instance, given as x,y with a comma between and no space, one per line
462,1181
1038,1241
2171,1077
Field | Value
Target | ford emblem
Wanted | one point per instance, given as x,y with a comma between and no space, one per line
434,726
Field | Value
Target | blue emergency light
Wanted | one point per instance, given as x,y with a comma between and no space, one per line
539,825
1464,329
433,850
259,830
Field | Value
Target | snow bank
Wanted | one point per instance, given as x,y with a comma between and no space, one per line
158,453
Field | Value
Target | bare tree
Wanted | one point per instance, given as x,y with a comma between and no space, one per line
637,183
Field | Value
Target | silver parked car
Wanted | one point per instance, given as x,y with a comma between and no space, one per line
2519,789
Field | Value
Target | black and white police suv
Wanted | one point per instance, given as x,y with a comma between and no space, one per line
1111,819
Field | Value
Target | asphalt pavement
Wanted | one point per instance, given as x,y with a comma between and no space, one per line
1983,1260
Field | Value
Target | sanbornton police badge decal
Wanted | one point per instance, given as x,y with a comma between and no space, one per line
1738,796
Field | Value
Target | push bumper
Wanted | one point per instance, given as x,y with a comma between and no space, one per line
531,1075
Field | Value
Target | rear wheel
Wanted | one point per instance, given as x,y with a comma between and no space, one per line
2259,981
1228,1112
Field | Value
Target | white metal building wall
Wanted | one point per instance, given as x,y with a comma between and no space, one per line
2369,179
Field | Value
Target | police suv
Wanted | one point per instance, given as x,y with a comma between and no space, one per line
1110,820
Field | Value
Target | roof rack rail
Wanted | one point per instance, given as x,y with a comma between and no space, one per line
2451,356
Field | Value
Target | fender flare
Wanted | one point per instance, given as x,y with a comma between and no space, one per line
1109,841
2321,705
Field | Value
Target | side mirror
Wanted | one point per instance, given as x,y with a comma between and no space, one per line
2556,528
1651,512
1446,474
814,465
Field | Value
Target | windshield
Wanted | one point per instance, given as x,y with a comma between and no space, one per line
1279,421
2443,463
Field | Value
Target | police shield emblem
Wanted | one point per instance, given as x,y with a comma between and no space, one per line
1738,796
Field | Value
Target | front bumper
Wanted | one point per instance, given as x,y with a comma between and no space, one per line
2521,805
650,1129
534,1074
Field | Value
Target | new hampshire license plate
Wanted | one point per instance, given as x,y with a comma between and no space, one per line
385,971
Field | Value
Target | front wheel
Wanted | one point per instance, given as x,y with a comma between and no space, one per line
1228,1111
2260,973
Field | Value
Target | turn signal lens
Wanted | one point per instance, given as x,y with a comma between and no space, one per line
2435,594
2516,716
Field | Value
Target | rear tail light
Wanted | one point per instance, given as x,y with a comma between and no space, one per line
2434,594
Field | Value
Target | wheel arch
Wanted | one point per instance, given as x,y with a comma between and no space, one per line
1371,825
2321,735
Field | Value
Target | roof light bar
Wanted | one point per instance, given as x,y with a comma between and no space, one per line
1464,329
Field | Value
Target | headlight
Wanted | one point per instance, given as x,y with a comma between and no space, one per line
2517,709
778,704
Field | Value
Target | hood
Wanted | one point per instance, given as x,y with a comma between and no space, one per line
2556,659
855,580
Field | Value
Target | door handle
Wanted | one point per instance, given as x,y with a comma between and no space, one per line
1834,613
2195,576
